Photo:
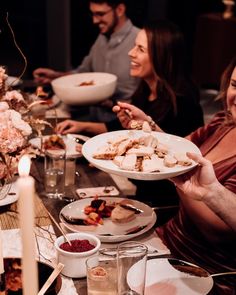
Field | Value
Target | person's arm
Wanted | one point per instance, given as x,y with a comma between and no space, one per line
202,185
127,113
45,75
71,126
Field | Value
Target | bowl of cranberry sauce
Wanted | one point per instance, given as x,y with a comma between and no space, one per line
74,256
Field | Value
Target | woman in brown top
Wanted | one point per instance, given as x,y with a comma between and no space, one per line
204,230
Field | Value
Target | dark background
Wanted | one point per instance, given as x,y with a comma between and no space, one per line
59,33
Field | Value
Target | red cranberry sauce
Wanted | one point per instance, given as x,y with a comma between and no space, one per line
77,246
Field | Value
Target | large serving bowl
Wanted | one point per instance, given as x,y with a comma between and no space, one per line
71,89
74,262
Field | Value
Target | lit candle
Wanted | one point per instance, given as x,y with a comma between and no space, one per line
26,190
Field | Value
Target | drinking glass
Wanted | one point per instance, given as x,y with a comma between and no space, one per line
102,275
70,171
131,264
54,173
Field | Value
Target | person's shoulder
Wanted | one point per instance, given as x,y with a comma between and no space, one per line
134,29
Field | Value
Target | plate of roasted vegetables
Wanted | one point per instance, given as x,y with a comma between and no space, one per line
112,219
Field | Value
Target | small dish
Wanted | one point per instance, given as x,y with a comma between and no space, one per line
74,262
12,266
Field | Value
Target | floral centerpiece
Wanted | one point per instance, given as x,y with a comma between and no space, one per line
14,130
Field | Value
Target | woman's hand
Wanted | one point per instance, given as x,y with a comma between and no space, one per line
126,113
45,75
199,182
68,126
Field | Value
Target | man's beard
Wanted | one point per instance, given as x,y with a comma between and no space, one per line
112,26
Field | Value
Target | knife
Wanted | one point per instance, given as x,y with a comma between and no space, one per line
131,207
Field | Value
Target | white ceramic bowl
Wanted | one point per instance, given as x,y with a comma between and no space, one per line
67,88
74,262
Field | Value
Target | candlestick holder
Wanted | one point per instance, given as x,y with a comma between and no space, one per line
228,12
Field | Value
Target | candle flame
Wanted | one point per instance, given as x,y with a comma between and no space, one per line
24,165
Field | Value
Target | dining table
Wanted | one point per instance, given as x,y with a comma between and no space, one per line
87,176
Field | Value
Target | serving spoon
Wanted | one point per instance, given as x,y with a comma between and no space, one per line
192,269
51,278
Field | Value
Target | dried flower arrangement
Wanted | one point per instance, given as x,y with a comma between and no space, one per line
16,123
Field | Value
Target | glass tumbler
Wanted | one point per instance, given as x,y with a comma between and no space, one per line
70,170
54,173
131,264
102,275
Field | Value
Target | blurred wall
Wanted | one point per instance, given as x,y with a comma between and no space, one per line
59,33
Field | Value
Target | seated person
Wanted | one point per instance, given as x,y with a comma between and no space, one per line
203,231
108,54
166,93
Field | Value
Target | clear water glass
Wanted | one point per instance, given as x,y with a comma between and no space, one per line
131,258
102,275
54,173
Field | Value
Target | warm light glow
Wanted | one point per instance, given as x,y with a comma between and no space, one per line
24,165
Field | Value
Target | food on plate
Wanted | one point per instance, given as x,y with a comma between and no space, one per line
151,164
122,215
54,142
182,159
145,154
13,275
97,210
169,161
87,83
40,92
77,246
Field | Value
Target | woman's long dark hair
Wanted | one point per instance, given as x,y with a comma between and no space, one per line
166,48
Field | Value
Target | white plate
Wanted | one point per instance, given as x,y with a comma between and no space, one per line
144,220
53,102
69,141
11,197
13,81
175,143
162,278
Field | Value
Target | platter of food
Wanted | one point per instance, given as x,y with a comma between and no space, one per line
112,219
69,141
140,155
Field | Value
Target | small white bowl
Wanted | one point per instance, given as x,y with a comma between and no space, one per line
74,262
67,88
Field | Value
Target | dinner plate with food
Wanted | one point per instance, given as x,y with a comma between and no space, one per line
140,155
112,219
55,141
